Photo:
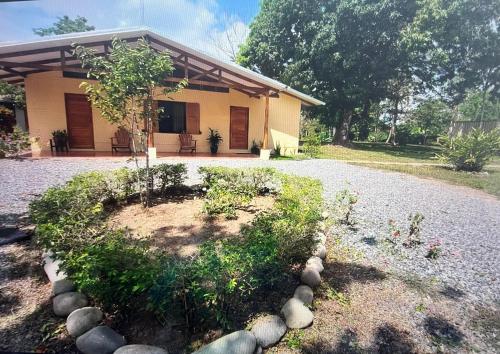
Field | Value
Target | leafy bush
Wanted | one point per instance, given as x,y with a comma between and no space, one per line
231,188
119,272
169,176
70,222
13,143
344,203
112,269
377,136
470,152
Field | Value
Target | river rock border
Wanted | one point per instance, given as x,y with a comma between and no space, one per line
83,322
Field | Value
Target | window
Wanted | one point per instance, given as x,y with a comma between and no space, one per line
179,117
173,117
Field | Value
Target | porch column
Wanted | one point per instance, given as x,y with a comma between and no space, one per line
266,123
265,152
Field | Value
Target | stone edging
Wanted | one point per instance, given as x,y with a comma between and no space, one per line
82,321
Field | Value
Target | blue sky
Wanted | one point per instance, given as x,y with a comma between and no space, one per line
203,24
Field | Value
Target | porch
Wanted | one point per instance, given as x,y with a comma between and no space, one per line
125,155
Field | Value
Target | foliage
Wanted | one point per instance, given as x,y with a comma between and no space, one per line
125,88
65,25
434,249
470,152
214,139
169,176
431,118
230,189
277,149
255,149
412,238
312,133
344,204
479,106
14,143
112,269
293,338
377,136
414,230
14,93
59,134
118,271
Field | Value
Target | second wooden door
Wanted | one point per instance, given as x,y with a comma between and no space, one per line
238,138
79,121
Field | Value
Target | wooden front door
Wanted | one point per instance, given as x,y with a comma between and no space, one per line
79,121
238,136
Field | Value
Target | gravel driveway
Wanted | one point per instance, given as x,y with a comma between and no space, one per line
467,221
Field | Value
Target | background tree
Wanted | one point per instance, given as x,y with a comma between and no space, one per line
13,92
65,25
430,118
125,91
344,52
479,106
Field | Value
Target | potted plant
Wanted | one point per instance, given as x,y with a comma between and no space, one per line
214,138
60,139
255,149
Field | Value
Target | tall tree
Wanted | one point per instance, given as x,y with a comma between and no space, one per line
461,45
65,25
127,82
346,52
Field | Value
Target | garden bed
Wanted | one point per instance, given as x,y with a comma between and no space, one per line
178,226
184,267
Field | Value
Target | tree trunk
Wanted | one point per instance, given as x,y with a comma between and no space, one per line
342,132
392,133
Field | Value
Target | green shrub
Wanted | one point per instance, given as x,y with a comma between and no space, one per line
13,143
112,269
118,272
169,176
232,188
470,152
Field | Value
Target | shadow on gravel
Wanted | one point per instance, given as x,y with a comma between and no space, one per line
387,340
452,293
8,302
340,275
370,241
443,331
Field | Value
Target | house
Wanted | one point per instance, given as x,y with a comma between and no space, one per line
242,105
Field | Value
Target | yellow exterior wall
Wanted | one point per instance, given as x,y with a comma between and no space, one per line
47,112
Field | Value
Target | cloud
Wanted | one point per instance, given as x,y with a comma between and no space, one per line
201,24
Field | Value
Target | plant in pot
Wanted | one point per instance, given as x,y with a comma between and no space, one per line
214,138
255,149
60,139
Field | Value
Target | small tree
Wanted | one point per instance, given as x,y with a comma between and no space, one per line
14,93
125,91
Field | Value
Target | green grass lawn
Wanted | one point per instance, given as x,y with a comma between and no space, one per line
381,152
488,182
393,158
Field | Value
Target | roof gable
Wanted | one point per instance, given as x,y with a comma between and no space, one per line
17,60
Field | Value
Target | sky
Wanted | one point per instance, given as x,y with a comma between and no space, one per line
213,26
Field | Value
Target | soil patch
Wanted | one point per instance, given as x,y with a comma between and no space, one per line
178,226
27,323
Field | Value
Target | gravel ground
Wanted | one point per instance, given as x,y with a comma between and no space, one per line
466,221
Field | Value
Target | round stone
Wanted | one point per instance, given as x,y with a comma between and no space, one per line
62,286
66,303
310,276
297,315
316,263
82,320
268,330
241,342
320,237
140,349
100,340
304,293
320,251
